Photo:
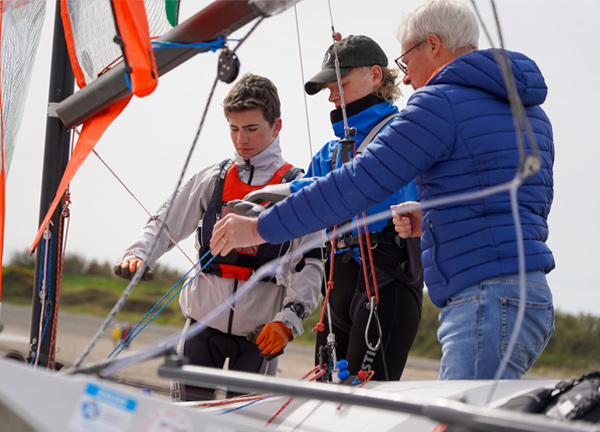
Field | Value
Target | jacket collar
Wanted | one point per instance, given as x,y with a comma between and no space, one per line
264,160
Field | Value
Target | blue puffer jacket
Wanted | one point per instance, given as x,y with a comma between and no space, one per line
455,135
363,115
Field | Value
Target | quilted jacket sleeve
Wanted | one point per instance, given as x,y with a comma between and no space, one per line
422,134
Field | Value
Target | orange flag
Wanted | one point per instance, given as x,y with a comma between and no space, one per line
92,131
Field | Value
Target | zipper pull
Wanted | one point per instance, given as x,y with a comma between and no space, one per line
247,167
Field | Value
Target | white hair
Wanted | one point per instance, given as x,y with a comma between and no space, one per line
451,20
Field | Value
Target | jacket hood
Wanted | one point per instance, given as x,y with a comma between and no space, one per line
479,69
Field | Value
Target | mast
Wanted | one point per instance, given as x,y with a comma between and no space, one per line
56,157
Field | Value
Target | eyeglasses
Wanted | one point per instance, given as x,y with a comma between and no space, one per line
401,65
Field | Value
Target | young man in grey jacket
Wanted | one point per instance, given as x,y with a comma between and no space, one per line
261,323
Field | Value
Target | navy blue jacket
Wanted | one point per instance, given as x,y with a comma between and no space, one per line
456,134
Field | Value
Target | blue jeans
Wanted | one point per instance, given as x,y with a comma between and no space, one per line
477,323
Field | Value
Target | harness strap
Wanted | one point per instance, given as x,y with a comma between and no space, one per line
313,253
225,165
384,237
264,254
366,140
374,132
238,259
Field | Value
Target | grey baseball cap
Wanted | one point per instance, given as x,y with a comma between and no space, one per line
352,51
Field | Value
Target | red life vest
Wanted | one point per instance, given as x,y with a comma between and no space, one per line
240,262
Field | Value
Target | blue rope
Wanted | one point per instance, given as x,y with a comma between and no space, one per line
125,342
247,404
211,46
45,272
128,81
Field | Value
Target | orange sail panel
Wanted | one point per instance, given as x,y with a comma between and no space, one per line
92,131
20,30
2,173
2,184
137,47
70,41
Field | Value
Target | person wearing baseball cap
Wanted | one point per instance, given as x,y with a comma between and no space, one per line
369,92
352,52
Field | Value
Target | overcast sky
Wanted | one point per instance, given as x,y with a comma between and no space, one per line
148,144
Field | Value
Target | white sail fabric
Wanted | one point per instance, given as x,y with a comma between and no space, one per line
21,28
93,32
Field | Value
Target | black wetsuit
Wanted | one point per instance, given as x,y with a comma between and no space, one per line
211,347
399,311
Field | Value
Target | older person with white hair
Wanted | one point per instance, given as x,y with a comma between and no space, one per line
456,134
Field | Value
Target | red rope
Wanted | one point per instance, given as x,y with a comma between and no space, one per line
230,401
289,401
65,213
363,260
320,326
368,236
250,398
59,271
370,375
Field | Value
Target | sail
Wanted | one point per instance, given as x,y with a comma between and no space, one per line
97,34
90,32
20,27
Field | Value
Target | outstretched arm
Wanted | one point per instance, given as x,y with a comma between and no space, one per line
234,231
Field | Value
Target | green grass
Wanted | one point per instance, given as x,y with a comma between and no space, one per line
96,295
574,348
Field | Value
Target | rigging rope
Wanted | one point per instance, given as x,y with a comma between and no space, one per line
516,104
45,284
318,375
336,37
138,275
126,341
166,232
62,241
511,186
348,141
310,149
528,167
329,284
270,269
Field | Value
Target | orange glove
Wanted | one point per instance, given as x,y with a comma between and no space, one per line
271,338
127,269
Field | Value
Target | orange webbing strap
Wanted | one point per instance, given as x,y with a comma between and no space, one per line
135,35
91,132
364,258
320,326
68,29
